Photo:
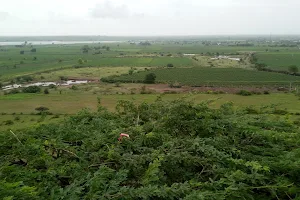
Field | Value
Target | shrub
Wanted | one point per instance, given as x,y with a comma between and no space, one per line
150,78
46,91
244,93
74,87
170,65
280,112
8,122
41,109
63,78
266,92
32,89
175,85
13,91
52,86
80,61
17,118
251,110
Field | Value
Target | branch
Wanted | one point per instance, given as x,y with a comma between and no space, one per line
16,137
271,186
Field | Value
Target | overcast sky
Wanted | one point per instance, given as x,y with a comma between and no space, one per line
149,17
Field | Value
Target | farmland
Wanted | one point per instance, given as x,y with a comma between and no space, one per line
209,123
217,76
280,60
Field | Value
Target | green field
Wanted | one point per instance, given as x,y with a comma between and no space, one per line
218,76
279,60
12,63
70,102
55,57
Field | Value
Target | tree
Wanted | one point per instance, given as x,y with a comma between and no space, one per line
150,78
1,85
32,89
85,49
170,65
293,69
260,66
63,78
46,91
80,61
22,52
107,48
33,50
130,72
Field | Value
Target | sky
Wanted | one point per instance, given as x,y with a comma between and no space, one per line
148,17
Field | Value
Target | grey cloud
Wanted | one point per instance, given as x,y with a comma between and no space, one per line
108,10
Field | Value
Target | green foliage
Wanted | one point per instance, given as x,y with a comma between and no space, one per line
63,78
150,78
244,93
31,89
80,61
42,109
170,65
293,69
74,87
176,150
46,91
13,91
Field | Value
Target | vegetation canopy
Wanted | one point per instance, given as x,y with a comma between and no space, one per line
176,150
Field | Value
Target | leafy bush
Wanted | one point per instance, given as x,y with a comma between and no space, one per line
176,150
170,65
52,86
32,89
46,91
8,122
13,91
63,78
42,109
150,78
74,87
244,93
17,118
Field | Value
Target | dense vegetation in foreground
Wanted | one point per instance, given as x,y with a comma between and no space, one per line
176,150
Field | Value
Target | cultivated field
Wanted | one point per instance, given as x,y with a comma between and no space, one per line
214,76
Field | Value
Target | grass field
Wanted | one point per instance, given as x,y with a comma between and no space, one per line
23,105
70,102
21,121
218,76
85,72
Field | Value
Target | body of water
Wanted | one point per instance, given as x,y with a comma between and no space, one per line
57,42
